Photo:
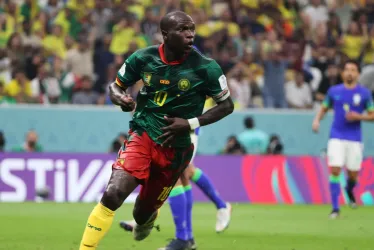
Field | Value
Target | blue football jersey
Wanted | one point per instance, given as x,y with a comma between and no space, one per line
343,100
197,131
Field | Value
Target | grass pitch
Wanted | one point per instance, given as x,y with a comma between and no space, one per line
51,226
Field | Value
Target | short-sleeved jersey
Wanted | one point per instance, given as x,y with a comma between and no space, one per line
172,89
343,100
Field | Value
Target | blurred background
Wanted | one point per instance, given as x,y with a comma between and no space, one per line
280,57
277,54
59,132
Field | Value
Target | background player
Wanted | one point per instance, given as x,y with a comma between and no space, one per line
197,176
168,107
181,202
349,101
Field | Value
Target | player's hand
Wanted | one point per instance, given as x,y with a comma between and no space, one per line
353,116
315,126
177,125
126,102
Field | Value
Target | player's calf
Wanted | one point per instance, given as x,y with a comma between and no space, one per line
140,232
351,183
335,191
145,216
142,212
121,184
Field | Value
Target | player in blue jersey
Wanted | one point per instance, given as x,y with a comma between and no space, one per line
181,200
349,102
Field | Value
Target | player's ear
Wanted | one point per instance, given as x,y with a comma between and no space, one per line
164,34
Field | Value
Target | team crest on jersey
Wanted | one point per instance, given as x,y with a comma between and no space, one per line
356,99
184,84
147,78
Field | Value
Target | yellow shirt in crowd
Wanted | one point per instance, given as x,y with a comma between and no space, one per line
253,4
10,23
63,22
13,88
352,46
121,40
55,45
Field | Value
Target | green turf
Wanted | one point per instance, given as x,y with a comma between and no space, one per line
49,226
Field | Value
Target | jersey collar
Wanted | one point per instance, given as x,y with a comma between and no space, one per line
163,57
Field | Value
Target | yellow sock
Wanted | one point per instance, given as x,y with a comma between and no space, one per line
98,224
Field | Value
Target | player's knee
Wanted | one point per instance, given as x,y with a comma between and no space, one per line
352,175
188,173
179,182
185,181
335,171
113,197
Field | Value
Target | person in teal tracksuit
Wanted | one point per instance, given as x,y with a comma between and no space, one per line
255,141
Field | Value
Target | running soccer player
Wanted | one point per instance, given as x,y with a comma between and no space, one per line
349,101
181,201
177,79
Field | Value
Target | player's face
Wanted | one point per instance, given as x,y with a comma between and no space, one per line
180,38
351,73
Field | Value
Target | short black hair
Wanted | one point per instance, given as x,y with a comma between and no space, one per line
249,122
350,61
165,23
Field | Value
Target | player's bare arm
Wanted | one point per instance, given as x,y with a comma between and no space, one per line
177,125
354,116
119,97
319,116
221,110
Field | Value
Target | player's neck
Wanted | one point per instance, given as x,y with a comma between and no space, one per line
171,56
350,86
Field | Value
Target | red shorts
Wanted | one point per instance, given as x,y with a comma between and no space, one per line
156,167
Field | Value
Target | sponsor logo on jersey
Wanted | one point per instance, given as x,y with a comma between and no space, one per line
184,84
166,82
147,78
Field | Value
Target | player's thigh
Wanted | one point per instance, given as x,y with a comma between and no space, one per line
188,173
336,153
157,187
194,141
155,190
135,155
354,155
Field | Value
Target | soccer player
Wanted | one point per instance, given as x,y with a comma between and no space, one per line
177,79
181,201
349,101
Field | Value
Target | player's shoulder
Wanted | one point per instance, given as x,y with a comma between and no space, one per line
336,88
146,53
202,60
364,89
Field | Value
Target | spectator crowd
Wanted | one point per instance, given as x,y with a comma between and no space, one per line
275,53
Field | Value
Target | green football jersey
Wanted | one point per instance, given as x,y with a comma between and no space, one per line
172,89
